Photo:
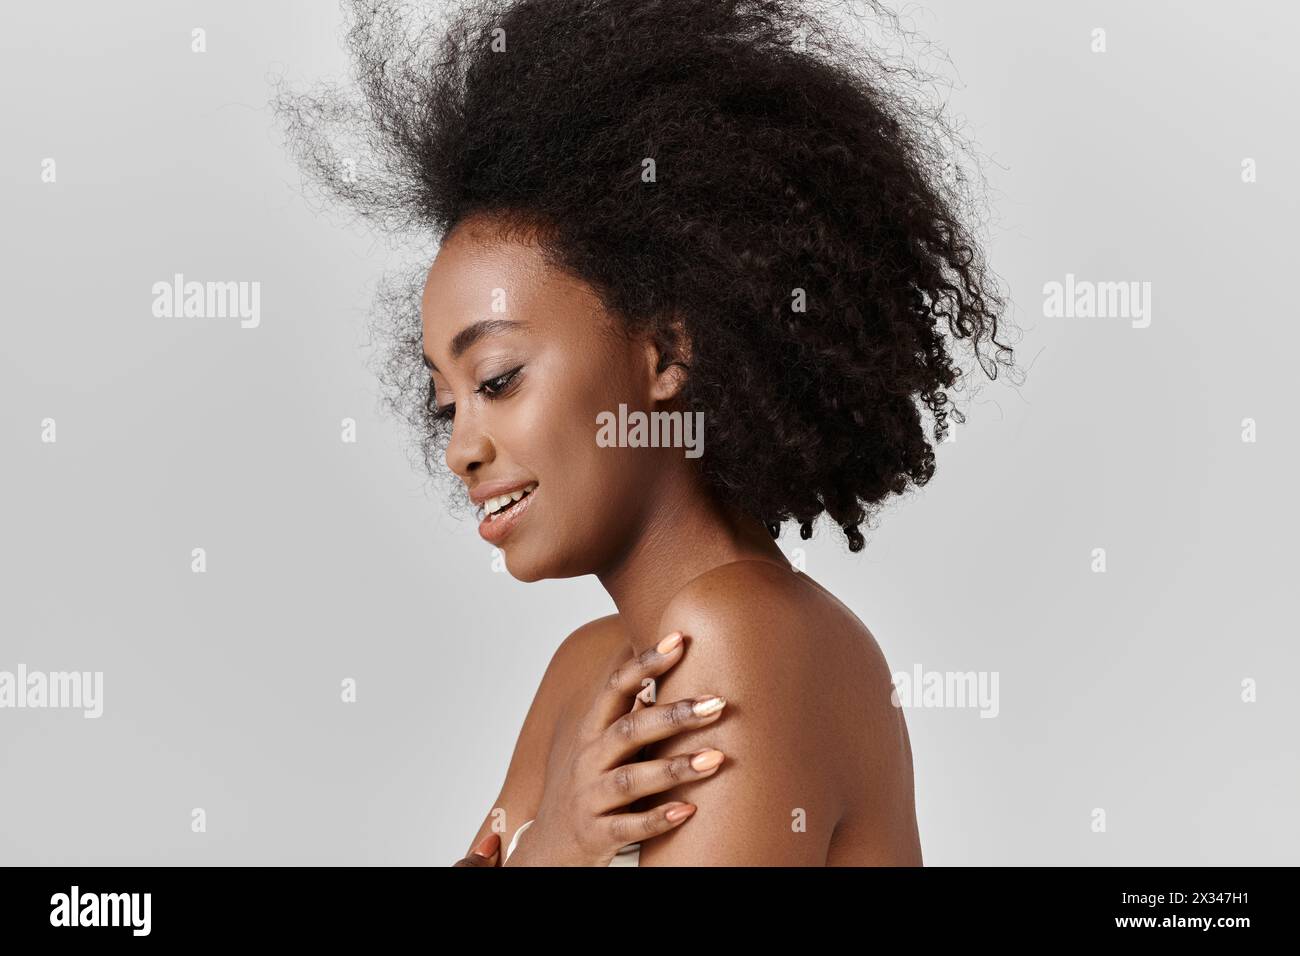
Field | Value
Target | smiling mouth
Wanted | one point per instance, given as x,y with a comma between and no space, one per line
498,514
505,503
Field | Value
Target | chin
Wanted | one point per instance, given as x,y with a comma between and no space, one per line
525,571
525,564
530,562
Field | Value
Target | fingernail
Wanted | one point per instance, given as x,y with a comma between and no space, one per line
706,759
704,706
669,643
679,812
488,845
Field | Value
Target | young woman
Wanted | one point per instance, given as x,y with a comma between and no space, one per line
713,215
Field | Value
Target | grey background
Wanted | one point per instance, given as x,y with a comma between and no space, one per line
329,560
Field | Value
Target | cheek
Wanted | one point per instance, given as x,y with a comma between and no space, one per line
559,430
570,392
566,437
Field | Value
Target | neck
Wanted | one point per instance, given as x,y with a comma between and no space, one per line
690,534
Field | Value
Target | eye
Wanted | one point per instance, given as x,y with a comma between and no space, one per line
492,388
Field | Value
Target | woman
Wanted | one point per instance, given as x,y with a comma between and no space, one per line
708,216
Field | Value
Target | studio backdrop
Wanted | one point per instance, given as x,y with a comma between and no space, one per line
238,625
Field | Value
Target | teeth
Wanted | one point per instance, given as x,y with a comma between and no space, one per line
493,505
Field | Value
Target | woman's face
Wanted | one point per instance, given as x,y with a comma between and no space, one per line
492,307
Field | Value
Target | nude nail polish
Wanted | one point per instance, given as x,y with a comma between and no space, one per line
669,643
704,706
706,760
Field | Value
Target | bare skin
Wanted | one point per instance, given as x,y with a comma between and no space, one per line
597,769
818,766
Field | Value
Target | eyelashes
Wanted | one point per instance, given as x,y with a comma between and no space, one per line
494,388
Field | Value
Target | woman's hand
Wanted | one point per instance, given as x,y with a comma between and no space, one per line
574,825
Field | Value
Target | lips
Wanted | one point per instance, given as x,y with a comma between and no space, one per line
494,528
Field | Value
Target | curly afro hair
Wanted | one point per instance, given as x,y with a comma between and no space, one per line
736,169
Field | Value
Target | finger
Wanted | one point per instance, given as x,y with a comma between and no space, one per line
636,729
632,781
624,828
626,681
487,853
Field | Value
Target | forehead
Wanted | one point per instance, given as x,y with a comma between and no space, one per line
477,275
474,274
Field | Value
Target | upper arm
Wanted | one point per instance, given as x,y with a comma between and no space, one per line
521,792
772,802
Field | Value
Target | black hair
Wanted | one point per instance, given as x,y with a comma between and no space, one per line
804,220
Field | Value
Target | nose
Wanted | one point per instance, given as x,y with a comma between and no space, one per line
470,446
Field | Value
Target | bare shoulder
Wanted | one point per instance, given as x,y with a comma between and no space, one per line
809,721
778,629
584,653
588,654
573,660
778,623
741,587
595,639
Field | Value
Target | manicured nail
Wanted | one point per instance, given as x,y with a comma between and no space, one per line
488,845
704,706
679,812
669,643
706,759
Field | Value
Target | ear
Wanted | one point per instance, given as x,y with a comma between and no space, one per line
668,356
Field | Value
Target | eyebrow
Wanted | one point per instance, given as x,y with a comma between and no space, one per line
467,336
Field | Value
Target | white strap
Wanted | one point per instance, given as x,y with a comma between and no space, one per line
514,841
